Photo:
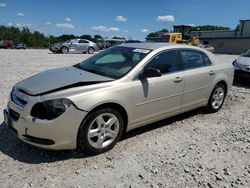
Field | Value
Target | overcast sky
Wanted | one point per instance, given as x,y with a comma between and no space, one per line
128,18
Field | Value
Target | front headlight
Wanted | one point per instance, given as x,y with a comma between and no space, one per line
50,109
18,97
235,64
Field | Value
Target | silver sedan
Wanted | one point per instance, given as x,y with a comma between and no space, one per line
74,45
91,104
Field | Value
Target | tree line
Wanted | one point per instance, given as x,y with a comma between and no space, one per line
37,39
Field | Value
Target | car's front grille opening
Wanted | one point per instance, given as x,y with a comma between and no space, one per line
13,115
37,140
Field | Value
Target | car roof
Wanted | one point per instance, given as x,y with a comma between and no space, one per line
154,45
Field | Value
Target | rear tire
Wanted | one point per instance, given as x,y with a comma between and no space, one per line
100,131
64,50
216,99
91,50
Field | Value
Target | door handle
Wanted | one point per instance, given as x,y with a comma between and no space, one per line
178,79
211,72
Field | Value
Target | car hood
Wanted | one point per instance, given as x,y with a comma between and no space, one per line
243,61
58,79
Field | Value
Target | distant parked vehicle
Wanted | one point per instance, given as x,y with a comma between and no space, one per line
242,66
133,41
209,48
74,45
6,44
2,44
18,45
107,43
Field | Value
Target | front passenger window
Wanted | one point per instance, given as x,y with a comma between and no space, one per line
166,62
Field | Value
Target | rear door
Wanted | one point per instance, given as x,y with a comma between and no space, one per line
198,73
82,45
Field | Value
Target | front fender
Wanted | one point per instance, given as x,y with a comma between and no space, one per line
88,102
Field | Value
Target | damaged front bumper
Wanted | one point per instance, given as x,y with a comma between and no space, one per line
57,134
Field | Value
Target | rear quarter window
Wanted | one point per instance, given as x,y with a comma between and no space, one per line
206,60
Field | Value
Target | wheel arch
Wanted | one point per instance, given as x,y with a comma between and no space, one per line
91,47
224,83
208,106
117,107
212,86
112,105
63,46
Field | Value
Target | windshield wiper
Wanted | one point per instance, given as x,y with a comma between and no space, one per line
95,70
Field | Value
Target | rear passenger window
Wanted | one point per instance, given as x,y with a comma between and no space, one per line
192,59
166,62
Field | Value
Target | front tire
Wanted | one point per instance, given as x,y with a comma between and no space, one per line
217,98
100,131
64,50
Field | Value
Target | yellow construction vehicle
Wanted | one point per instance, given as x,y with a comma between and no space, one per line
177,38
194,41
172,37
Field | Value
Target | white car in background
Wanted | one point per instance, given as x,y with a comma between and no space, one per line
209,48
242,65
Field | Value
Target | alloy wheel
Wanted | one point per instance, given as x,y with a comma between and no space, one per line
103,130
218,98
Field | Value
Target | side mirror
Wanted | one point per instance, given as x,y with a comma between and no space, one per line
149,73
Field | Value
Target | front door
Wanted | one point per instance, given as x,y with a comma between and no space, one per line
157,97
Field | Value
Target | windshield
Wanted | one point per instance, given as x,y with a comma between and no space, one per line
114,62
246,54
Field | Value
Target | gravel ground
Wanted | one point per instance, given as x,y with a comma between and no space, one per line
194,149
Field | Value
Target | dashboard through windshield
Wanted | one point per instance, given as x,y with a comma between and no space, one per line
114,62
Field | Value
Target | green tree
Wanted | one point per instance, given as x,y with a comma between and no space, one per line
164,30
96,37
118,38
88,37
37,39
155,34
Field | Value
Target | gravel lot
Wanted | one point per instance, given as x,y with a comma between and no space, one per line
194,149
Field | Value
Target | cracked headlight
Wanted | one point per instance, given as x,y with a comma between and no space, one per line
18,97
50,109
